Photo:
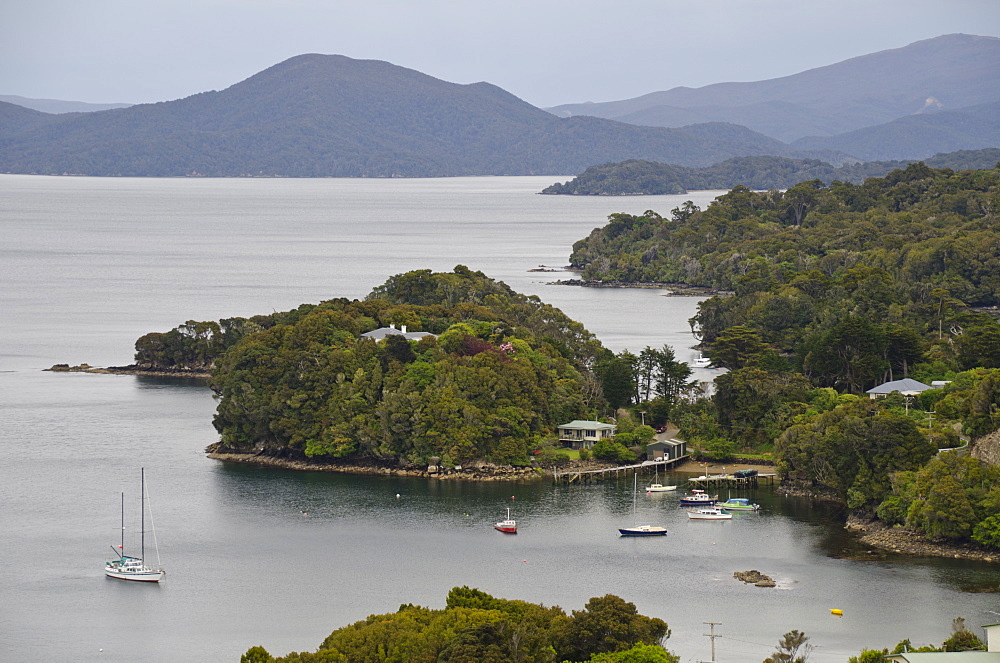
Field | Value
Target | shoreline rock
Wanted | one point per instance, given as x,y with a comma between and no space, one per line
906,541
755,577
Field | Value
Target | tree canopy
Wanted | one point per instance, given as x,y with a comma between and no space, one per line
476,627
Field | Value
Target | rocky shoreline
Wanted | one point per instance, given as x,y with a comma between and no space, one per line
904,540
132,369
481,472
673,289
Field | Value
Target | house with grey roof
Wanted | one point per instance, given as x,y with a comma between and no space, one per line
991,655
579,434
906,386
382,332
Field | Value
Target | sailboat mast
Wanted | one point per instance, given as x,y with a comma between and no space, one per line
142,509
121,548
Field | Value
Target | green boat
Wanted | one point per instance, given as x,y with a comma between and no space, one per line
737,504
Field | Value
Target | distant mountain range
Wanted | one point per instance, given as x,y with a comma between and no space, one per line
945,73
333,116
58,106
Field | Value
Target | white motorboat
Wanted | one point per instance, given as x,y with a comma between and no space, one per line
709,514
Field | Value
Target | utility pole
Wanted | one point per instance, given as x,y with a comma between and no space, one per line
930,429
711,634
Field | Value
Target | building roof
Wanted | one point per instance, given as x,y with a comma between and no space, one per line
672,442
382,332
587,425
904,386
947,657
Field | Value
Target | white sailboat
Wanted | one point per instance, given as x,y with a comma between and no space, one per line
128,567
657,487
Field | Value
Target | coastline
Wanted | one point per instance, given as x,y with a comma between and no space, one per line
672,289
905,541
477,473
132,369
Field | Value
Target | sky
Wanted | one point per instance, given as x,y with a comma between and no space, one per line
547,52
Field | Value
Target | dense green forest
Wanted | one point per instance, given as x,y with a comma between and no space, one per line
477,627
635,177
830,291
494,376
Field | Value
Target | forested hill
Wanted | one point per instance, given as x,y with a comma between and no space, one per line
333,116
833,291
635,177
498,372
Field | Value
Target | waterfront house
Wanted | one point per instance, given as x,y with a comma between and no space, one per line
579,434
906,386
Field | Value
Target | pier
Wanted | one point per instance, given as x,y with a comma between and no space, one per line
730,481
584,476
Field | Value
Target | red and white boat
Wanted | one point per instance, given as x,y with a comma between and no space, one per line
508,526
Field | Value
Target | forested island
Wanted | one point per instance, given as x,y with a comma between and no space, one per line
637,177
439,369
837,289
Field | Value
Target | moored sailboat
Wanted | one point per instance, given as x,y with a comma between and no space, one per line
640,530
128,567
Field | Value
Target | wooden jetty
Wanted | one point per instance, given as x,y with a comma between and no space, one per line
583,476
730,481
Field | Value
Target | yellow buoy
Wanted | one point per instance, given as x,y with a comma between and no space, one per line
836,611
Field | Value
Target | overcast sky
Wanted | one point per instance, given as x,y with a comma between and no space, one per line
547,52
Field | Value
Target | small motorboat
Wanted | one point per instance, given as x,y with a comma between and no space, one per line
738,504
659,488
507,526
701,361
709,514
698,497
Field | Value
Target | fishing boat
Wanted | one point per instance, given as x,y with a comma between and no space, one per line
697,498
636,529
709,513
507,526
738,504
129,567
701,361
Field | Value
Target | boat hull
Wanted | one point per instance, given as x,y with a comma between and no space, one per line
506,526
642,531
142,576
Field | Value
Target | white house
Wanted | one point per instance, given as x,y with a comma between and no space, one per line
579,434
906,386
382,332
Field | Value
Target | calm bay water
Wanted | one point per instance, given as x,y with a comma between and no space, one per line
282,558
